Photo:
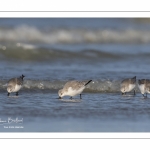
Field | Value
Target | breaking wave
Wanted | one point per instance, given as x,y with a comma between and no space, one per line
31,34
95,86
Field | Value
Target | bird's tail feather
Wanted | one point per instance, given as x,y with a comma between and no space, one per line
88,82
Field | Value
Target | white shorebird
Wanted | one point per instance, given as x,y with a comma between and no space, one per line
14,85
73,88
144,86
128,85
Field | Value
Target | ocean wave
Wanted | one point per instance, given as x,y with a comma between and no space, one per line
31,53
108,86
31,34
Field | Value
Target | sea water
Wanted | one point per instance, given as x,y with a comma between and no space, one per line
52,51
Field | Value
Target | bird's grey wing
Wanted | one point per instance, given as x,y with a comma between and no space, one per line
78,84
133,81
73,84
12,81
19,81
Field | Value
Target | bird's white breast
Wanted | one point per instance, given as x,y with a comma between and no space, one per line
142,88
17,88
130,87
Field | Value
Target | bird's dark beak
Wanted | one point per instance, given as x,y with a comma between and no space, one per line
59,97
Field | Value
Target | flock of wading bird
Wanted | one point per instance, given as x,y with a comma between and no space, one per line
73,88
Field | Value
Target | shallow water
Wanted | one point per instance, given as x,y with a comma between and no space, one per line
96,112
50,52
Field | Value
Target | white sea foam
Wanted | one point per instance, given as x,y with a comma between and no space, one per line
26,46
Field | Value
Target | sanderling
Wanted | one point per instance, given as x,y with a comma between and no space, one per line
14,85
73,88
127,85
144,86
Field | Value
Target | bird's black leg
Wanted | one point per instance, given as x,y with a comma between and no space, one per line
134,92
70,97
146,95
80,96
16,93
8,94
